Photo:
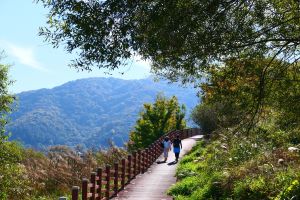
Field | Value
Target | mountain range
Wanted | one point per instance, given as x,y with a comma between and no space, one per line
89,112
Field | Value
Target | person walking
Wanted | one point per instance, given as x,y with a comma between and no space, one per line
167,147
177,145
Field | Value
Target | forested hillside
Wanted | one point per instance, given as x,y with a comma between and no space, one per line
87,111
244,56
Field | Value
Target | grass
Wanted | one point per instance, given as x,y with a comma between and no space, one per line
243,167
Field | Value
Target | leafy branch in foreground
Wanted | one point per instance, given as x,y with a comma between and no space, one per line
182,39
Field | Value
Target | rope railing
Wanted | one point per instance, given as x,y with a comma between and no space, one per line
106,183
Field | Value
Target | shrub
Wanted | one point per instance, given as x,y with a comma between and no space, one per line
251,188
13,184
206,117
291,192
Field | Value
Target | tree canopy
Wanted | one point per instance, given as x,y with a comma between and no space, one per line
155,120
181,38
10,153
185,40
6,99
233,91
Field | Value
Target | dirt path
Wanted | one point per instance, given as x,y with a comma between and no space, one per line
154,184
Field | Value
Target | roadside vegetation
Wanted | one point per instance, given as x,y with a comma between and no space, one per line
46,175
244,55
250,154
32,175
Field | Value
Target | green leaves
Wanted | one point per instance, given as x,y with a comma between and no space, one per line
182,39
155,120
10,153
6,99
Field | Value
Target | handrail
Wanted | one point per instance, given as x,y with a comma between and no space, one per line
106,183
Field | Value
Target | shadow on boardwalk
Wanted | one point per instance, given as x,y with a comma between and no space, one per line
154,184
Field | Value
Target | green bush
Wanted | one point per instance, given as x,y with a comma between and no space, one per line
291,192
13,183
185,187
206,117
251,188
236,166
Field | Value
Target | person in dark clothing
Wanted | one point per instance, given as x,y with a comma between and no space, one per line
177,145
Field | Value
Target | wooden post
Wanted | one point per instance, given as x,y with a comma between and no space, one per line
99,183
177,133
152,153
171,135
161,149
85,189
157,151
140,160
143,161
185,133
147,156
107,171
75,192
129,168
116,179
93,188
181,134
134,163
123,173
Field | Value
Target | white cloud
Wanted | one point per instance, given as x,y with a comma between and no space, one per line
24,55
138,61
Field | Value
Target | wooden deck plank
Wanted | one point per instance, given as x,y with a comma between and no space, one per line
154,184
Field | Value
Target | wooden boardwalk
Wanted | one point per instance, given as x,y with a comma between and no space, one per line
154,184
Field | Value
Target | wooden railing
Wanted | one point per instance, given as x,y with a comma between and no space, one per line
106,183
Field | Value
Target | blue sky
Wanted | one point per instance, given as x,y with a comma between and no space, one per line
36,64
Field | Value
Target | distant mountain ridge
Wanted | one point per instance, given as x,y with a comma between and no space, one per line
87,111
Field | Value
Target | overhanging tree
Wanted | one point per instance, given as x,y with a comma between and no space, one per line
182,39
232,91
